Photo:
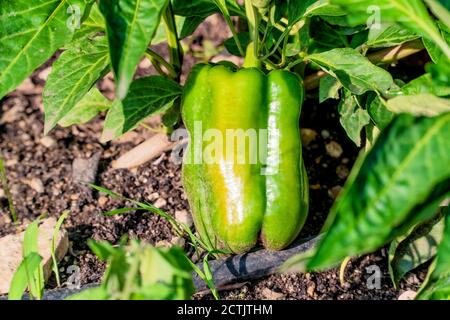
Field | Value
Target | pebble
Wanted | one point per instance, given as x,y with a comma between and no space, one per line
334,192
342,171
37,185
408,295
47,141
325,134
184,217
272,295
334,149
163,244
12,114
311,289
161,202
308,135
11,251
85,170
102,200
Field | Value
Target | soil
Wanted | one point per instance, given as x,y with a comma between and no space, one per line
328,154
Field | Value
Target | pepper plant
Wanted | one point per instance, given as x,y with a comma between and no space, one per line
344,50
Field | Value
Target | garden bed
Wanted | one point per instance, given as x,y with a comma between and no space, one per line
40,176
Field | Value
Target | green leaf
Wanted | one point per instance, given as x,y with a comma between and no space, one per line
203,8
417,247
131,25
440,9
378,112
91,26
380,200
230,43
30,239
329,88
148,96
53,248
437,284
411,14
425,84
389,35
30,246
30,35
354,71
307,8
72,76
433,49
353,118
423,104
102,249
86,109
19,283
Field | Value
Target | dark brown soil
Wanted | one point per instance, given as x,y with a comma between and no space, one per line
28,158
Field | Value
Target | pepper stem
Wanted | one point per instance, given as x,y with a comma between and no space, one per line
251,60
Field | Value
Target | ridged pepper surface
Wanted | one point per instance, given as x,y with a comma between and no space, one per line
235,200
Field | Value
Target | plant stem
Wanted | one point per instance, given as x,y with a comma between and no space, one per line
4,180
157,60
175,50
226,14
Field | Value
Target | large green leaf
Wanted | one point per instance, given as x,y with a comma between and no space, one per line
86,109
72,76
423,104
148,96
417,247
389,35
30,34
437,284
354,71
425,84
398,178
307,8
131,25
411,14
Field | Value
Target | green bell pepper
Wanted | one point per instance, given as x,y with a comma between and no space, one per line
234,117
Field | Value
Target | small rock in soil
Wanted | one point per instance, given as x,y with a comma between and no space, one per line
11,251
272,295
184,217
334,192
311,289
408,295
161,202
342,172
12,114
37,185
85,170
163,244
308,135
102,201
47,141
334,149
